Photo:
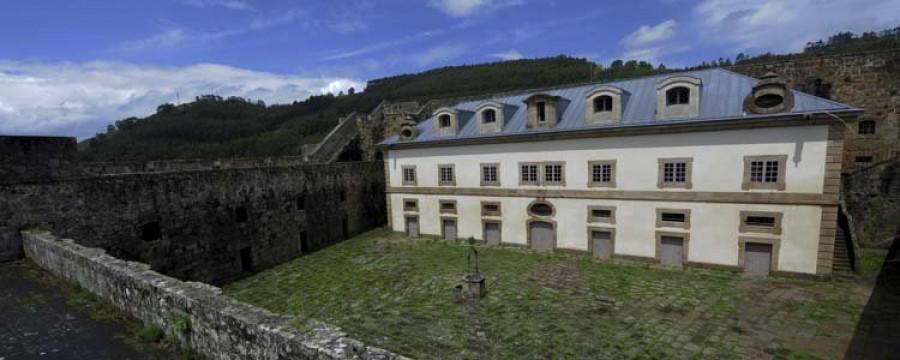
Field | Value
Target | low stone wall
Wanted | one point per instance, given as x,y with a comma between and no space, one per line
195,314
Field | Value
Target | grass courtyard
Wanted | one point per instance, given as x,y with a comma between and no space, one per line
398,294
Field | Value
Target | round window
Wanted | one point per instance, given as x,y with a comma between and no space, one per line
768,101
406,133
541,209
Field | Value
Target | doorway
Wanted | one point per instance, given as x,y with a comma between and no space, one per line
602,244
449,227
671,250
492,233
541,235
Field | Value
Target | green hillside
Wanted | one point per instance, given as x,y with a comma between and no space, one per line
215,127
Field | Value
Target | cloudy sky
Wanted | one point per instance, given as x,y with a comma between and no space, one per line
72,67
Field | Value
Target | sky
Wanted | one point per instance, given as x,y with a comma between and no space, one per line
71,67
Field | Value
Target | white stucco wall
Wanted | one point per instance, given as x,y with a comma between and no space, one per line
717,166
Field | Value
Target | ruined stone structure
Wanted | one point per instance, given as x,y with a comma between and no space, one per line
204,225
34,158
872,203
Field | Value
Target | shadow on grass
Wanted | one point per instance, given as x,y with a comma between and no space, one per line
876,335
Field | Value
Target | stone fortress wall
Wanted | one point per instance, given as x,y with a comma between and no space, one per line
204,224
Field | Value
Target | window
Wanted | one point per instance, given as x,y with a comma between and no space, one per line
490,175
602,214
602,173
673,218
151,231
866,127
409,175
768,101
541,209
489,116
864,159
541,111
675,173
301,203
529,174
761,222
554,174
410,205
603,103
490,208
678,96
444,120
241,215
764,172
448,206
445,175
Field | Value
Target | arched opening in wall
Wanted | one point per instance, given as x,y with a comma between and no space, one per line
241,215
151,231
603,103
866,127
679,95
768,101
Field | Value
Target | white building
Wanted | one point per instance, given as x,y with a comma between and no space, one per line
705,168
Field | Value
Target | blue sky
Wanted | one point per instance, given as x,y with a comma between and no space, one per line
71,67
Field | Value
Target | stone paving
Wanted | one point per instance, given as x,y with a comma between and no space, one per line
36,322
399,294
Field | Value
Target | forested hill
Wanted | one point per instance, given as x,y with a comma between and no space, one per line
215,127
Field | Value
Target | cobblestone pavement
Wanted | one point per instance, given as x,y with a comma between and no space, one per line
400,294
36,322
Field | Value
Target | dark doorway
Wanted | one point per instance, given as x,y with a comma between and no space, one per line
241,215
247,259
345,228
304,242
151,231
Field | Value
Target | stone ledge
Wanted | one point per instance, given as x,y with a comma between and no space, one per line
220,327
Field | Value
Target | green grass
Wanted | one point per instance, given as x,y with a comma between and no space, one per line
870,261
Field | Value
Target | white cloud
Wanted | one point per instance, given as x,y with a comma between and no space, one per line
168,38
349,26
228,4
439,53
80,99
509,55
645,35
787,25
649,43
384,45
464,8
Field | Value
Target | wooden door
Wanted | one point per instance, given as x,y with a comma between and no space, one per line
412,227
671,250
601,241
541,235
757,258
492,233
449,229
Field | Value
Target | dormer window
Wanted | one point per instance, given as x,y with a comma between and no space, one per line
603,103
678,96
445,121
770,96
544,110
489,116
541,111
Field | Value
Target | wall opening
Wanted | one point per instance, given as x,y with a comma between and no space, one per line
241,215
345,228
301,203
304,242
247,259
151,231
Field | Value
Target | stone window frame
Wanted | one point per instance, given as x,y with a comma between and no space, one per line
499,119
688,173
441,181
538,216
562,175
596,219
673,224
678,111
484,182
614,115
441,208
485,212
742,250
451,130
407,208
551,110
609,184
780,185
538,174
685,247
774,230
612,239
415,180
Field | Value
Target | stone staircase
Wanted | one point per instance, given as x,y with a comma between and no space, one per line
842,267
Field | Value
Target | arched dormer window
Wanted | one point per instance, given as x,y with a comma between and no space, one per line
491,116
678,97
604,105
446,122
543,111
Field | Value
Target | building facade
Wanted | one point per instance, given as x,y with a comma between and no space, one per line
706,168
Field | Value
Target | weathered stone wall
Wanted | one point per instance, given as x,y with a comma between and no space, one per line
870,81
32,158
129,167
872,199
203,225
196,314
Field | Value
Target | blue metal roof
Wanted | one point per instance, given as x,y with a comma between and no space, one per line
722,96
